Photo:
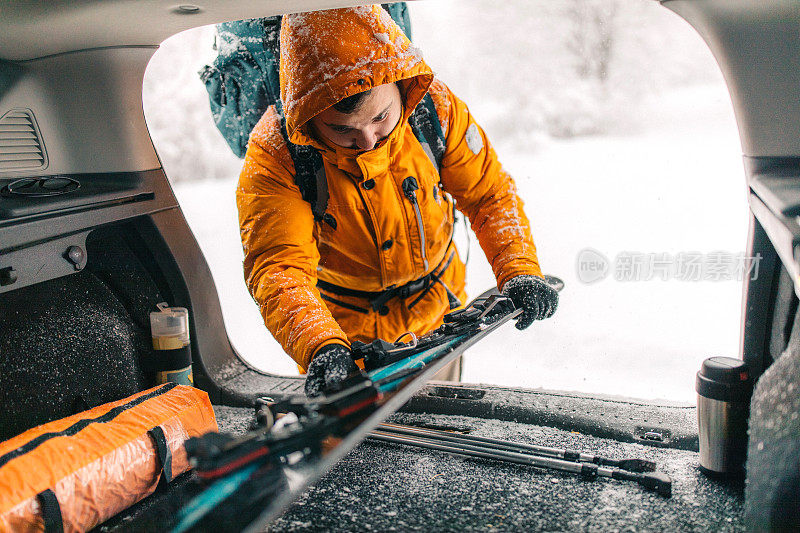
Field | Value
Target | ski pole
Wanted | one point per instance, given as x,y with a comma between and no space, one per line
656,481
632,465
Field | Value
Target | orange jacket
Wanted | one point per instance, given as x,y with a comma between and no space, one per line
327,56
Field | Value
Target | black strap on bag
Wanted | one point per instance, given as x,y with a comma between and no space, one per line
80,425
163,452
51,512
51,509
309,173
436,277
424,121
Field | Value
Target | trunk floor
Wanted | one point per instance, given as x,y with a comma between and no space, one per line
384,487
389,487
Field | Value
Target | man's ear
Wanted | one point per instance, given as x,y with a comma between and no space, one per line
312,130
402,89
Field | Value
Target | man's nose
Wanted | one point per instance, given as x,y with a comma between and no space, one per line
366,140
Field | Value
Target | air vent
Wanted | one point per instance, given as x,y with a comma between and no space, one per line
21,145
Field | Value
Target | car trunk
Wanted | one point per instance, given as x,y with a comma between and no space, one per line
381,486
80,271
90,331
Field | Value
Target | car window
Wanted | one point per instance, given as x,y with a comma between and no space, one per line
617,126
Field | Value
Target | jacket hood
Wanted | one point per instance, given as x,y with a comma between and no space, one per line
327,56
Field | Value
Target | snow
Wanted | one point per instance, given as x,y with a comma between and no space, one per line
382,37
648,162
474,140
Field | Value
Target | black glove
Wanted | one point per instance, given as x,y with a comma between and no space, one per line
329,366
537,299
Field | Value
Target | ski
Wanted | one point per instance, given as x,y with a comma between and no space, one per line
249,480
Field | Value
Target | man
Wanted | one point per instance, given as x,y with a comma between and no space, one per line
381,261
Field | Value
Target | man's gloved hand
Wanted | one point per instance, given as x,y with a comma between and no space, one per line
537,299
329,366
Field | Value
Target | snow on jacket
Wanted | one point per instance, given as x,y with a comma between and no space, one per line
327,56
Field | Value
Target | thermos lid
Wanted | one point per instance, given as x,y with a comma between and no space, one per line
725,379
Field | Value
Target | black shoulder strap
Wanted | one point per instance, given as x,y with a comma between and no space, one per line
425,123
428,130
272,33
309,172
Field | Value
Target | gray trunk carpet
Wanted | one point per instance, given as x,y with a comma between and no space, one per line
388,487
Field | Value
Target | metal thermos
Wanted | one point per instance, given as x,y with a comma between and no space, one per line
724,387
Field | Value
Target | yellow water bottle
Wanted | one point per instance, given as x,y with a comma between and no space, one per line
169,327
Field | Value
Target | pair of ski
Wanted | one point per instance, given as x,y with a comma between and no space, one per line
251,479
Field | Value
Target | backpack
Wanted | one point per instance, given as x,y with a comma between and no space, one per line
242,82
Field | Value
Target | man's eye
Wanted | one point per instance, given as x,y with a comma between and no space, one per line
380,117
340,129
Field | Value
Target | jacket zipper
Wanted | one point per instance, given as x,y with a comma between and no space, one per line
410,187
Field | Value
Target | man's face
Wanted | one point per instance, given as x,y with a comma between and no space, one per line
370,123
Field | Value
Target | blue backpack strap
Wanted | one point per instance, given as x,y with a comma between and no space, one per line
424,121
428,130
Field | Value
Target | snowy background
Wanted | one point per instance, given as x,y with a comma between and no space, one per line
616,123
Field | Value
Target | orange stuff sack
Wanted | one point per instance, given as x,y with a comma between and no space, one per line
78,472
